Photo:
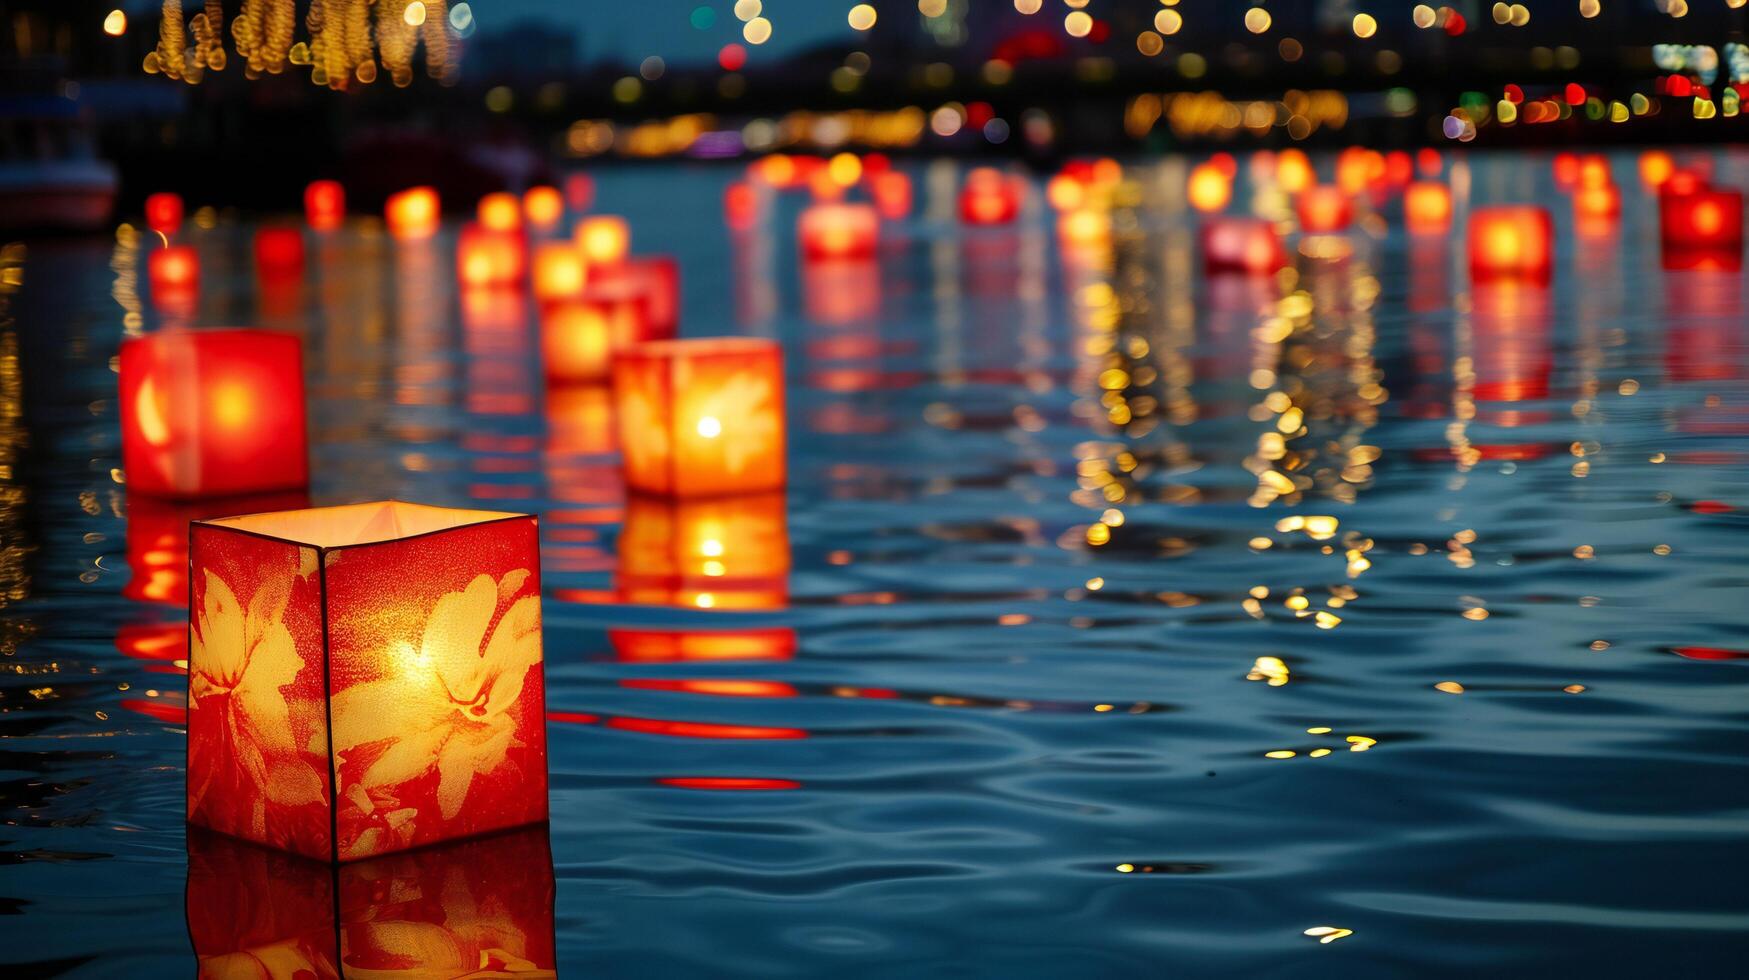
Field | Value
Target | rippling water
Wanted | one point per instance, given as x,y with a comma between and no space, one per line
1033,673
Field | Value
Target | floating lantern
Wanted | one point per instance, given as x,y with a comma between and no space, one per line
1511,242
485,257
1210,189
212,413
174,272
1656,166
365,679
715,553
579,191
279,254
1596,205
579,335
1358,169
1324,209
701,417
890,190
1086,229
658,276
164,213
543,207
325,205
989,197
473,908
1566,170
838,231
741,205
1293,170
1065,192
604,239
1427,208
1702,229
1237,244
413,213
500,211
559,271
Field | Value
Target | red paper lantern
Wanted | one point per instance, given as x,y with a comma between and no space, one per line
1702,229
1511,242
559,271
500,211
658,277
414,213
604,239
1238,244
990,197
212,413
711,553
1427,208
473,908
487,258
279,253
543,207
1324,209
164,213
839,231
580,335
890,190
325,205
365,679
701,417
1597,202
1084,230
174,272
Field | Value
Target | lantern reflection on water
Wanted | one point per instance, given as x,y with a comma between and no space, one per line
472,908
212,413
157,540
164,213
543,208
325,205
580,335
1511,242
413,214
701,417
838,231
719,553
890,190
990,197
1427,208
365,679
1323,208
658,278
279,254
604,239
1236,244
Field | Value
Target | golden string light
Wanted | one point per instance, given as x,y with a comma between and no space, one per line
346,39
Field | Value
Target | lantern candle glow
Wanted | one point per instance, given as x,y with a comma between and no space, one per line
499,211
212,413
413,213
1239,244
701,417
718,553
324,205
990,197
838,231
164,213
1324,209
365,679
489,257
279,254
1511,242
1702,228
658,276
1427,208
580,334
604,239
174,272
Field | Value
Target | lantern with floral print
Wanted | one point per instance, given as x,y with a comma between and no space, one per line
703,417
365,679
211,413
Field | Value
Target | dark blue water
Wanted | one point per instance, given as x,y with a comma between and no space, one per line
1043,685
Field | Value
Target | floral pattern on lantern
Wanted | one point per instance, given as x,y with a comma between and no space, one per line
701,417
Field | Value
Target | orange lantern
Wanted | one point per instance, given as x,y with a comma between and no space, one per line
579,335
701,417
658,276
1293,170
838,231
324,205
413,213
1702,229
712,553
164,213
212,413
1596,203
1427,208
1511,242
500,211
559,271
485,257
1324,209
1656,166
989,197
365,679
543,207
579,191
1066,192
604,239
1085,229
890,190
279,254
1210,188
473,908
1237,244
174,272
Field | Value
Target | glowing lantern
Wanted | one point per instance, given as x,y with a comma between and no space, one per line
1702,229
580,335
212,413
484,257
1323,209
325,205
1511,242
1597,205
1358,168
174,272
500,211
604,239
1086,229
473,908
1293,170
701,417
1656,166
1210,189
1566,169
413,213
579,191
890,191
1235,244
365,679
543,207
164,213
658,277
989,197
559,271
714,553
279,254
1427,208
1065,192
839,231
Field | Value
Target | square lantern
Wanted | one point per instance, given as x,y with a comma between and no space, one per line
325,205
990,197
580,335
164,213
1427,208
279,254
414,213
839,231
477,908
1702,228
604,239
487,257
174,274
701,417
500,211
1511,242
365,679
1239,244
1324,209
209,413
890,190
658,276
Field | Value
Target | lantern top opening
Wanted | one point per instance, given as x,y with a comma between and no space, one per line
351,525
